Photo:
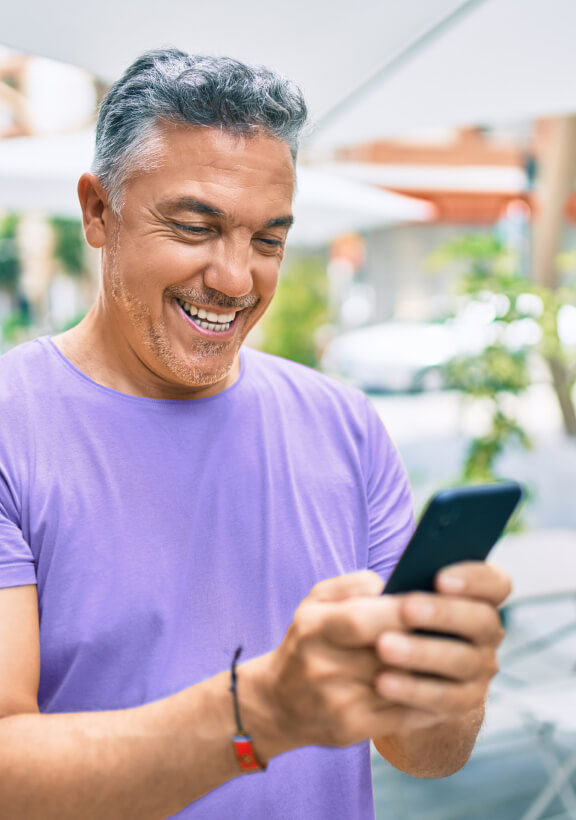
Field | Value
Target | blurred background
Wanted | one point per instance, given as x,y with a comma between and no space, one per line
432,264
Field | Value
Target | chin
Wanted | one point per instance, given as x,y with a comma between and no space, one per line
193,374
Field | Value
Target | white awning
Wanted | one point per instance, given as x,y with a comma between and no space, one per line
40,174
328,48
505,61
474,178
376,69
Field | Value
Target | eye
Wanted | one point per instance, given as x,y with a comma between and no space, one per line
269,245
197,230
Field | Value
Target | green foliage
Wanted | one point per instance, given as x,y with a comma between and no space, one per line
477,256
69,244
488,277
493,371
484,451
14,325
9,258
299,308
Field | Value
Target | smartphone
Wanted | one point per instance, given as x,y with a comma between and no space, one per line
460,524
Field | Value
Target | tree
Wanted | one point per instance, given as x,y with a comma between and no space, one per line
525,321
69,245
9,257
299,308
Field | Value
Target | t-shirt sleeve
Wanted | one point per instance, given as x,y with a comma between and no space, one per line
390,505
16,559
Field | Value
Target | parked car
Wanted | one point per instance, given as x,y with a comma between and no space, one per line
410,356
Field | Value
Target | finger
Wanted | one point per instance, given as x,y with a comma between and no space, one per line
474,621
343,665
455,660
395,719
430,694
353,584
475,579
358,622
380,716
377,719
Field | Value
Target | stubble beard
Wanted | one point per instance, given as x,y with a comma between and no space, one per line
155,336
156,340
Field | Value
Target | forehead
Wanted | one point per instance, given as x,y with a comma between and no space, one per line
223,169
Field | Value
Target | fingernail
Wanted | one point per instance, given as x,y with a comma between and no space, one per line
452,583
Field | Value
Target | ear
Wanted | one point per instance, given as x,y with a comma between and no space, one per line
95,210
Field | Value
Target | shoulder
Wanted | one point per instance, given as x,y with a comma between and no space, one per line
313,399
28,362
25,378
23,364
299,380
26,354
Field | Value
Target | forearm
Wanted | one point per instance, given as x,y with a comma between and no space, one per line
438,751
144,763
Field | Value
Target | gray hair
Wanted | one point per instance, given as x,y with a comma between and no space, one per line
168,85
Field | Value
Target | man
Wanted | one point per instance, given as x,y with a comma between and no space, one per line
167,496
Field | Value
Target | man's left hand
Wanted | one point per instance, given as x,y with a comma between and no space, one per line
443,677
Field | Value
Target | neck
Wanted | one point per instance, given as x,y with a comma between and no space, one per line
99,348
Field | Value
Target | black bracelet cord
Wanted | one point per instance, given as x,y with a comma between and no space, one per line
234,688
245,754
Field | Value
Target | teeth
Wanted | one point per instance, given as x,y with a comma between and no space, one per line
209,326
221,321
210,317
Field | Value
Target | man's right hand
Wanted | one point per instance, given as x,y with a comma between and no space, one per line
324,684
318,685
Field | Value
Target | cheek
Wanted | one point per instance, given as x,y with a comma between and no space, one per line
266,279
149,269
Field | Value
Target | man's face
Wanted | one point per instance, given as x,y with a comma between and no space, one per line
193,260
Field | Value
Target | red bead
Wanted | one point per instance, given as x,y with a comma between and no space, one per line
246,755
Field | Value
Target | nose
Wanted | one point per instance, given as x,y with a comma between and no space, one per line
230,268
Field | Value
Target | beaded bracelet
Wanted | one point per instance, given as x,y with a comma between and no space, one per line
245,754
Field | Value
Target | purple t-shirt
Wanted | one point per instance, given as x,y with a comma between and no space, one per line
163,534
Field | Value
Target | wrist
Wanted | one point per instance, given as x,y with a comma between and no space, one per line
260,712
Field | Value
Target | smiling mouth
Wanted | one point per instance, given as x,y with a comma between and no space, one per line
208,319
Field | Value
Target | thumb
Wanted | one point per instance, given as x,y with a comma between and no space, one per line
364,582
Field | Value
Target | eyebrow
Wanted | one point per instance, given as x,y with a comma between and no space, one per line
190,203
280,222
197,206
